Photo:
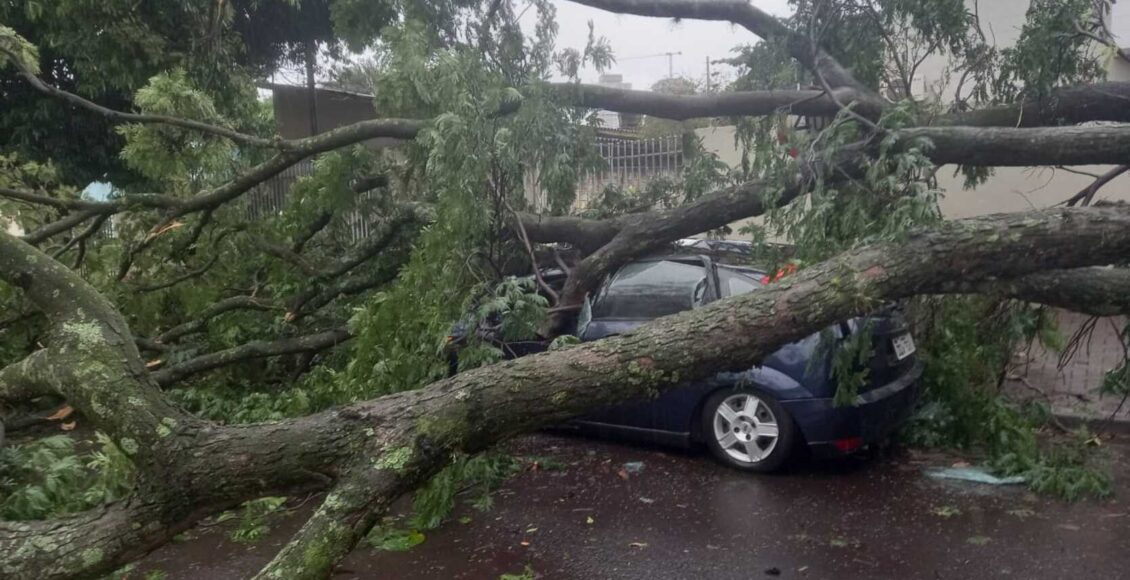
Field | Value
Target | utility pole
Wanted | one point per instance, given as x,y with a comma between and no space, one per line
311,47
708,75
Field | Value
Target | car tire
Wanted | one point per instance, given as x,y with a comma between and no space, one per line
761,441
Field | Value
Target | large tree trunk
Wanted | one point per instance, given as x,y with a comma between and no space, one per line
374,451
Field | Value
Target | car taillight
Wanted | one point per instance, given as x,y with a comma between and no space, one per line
848,445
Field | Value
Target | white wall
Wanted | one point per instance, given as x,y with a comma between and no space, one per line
11,227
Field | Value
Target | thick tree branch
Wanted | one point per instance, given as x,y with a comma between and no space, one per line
1108,101
252,350
26,379
479,407
123,117
683,107
48,201
1004,147
94,362
62,225
1098,291
587,235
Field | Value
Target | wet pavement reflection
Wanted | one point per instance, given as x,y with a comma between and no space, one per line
623,512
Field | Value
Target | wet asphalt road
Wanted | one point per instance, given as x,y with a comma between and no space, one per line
683,516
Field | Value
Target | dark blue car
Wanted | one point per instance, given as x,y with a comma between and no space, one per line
752,420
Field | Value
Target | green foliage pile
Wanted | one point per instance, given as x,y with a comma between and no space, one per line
476,476
474,164
967,346
254,521
57,475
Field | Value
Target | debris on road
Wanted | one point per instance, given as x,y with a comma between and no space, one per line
974,474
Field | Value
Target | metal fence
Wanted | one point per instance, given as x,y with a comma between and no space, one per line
631,162
270,197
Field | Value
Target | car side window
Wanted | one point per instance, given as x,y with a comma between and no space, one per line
649,289
738,281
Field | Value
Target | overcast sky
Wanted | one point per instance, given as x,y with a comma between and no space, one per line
637,36
633,37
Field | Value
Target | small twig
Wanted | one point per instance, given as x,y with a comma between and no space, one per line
89,231
1125,361
1055,422
533,259
1085,330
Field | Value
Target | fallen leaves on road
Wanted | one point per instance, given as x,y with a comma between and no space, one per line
946,511
64,412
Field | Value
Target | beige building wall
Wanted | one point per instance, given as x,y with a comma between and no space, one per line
1012,189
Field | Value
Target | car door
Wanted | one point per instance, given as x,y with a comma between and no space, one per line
639,293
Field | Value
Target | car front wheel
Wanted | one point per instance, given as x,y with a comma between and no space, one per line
748,430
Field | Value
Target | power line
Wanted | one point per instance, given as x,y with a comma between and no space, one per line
670,60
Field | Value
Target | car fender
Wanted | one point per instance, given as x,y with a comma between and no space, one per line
765,378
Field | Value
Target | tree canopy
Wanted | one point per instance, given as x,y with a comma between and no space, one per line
229,345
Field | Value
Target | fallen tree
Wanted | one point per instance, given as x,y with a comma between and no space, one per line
370,453
298,284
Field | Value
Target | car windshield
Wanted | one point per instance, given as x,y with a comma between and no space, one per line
652,289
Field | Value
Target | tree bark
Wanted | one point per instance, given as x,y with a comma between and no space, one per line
1098,291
